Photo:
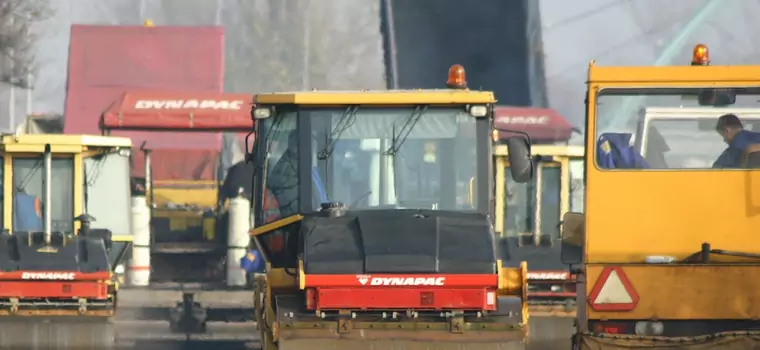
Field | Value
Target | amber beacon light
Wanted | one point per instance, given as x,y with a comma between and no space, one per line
456,77
701,56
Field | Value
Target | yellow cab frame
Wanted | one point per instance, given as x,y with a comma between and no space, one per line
559,155
75,147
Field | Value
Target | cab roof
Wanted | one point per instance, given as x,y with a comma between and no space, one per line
377,97
60,142
677,75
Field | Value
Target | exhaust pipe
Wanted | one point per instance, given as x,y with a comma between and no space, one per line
48,194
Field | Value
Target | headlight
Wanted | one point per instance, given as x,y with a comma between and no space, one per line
648,328
125,152
119,269
262,113
556,289
478,111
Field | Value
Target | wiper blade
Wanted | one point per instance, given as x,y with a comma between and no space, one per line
345,122
406,129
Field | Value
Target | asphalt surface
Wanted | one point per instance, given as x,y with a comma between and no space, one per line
146,335
545,333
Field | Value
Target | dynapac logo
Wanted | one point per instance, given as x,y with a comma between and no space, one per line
518,119
190,104
548,275
47,276
401,281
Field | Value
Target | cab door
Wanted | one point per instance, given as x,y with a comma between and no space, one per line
533,209
515,202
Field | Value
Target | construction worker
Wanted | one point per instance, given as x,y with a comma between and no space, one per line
730,128
239,176
252,263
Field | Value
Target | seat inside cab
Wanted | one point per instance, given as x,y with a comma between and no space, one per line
751,157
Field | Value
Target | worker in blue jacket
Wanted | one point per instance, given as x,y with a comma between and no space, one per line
252,263
731,129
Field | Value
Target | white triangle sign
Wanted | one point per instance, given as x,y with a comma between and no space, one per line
613,291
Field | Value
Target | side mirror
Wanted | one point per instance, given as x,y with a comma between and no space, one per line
573,238
250,145
520,161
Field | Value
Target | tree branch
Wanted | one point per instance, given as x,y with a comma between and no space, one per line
17,38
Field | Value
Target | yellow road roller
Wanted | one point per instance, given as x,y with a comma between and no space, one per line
66,227
383,237
667,247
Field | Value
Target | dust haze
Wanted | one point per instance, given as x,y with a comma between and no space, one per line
529,52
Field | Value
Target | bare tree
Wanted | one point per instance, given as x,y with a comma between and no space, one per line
346,46
189,12
303,44
17,38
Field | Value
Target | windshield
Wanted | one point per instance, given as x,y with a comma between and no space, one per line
370,158
420,158
29,190
666,128
107,192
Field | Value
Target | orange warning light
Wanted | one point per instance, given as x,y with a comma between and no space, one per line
456,77
701,56
148,23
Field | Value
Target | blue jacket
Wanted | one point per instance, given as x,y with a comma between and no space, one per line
27,215
252,262
613,151
731,156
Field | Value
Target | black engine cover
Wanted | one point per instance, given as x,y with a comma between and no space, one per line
26,251
398,241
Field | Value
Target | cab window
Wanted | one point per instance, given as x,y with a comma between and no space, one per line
668,128
279,139
551,196
401,157
107,193
577,185
521,206
29,194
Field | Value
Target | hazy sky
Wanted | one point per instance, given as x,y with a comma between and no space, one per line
627,32
574,32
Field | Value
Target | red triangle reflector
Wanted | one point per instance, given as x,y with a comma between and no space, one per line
613,291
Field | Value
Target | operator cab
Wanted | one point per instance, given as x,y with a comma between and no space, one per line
65,202
401,170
